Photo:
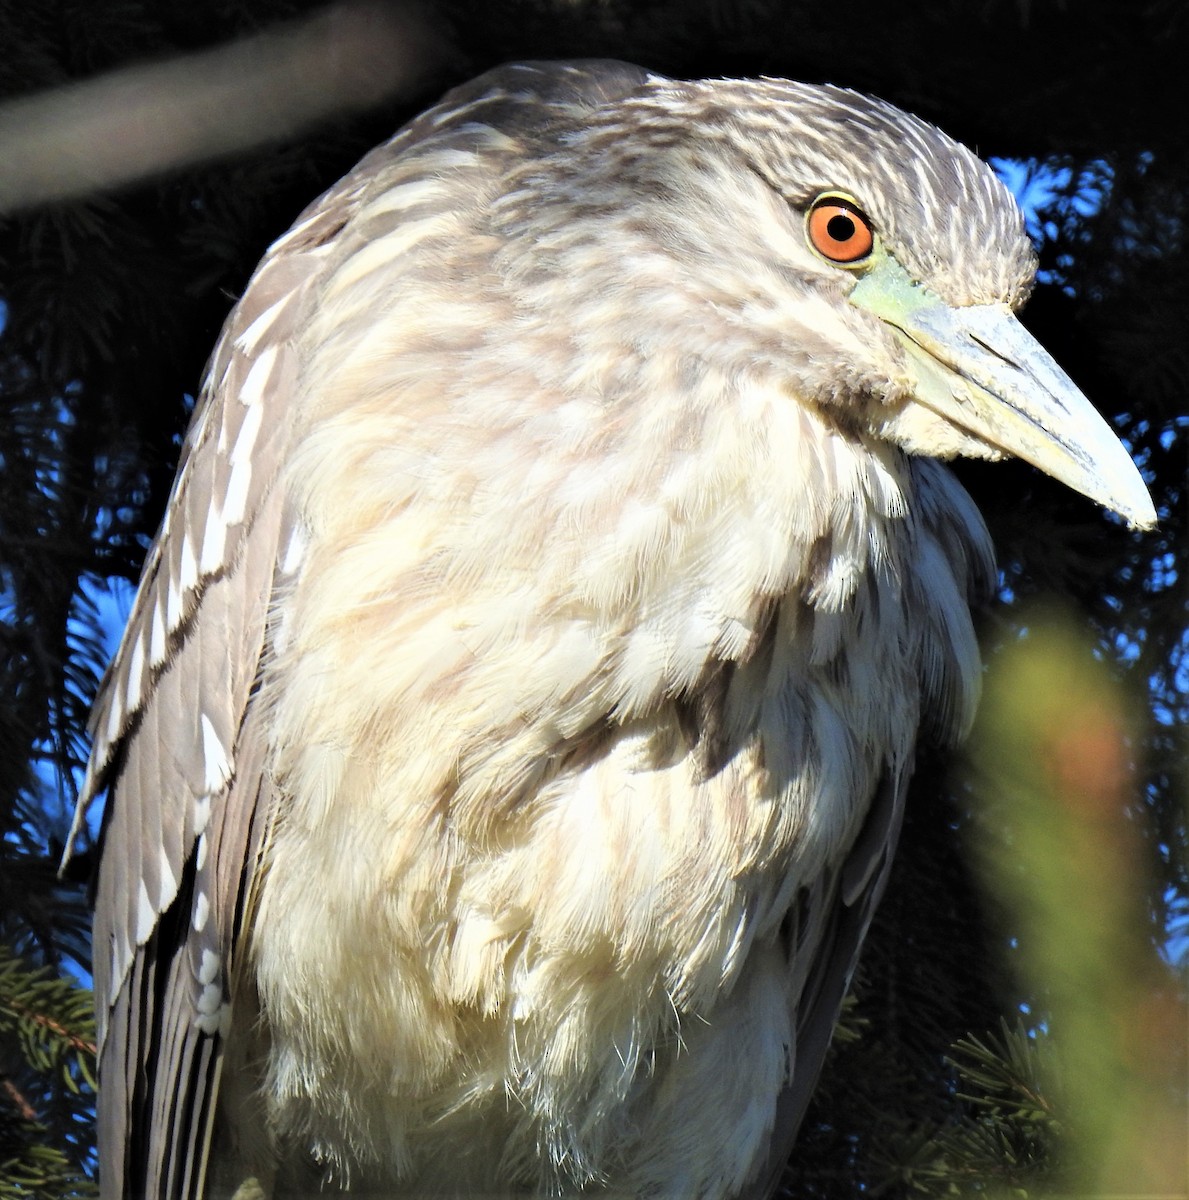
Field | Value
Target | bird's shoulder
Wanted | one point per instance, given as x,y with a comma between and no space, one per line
239,423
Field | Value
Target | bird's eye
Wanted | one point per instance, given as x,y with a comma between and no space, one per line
838,230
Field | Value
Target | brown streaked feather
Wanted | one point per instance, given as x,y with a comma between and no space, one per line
168,1062
178,692
159,731
602,666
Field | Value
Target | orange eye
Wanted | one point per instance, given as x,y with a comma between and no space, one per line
838,230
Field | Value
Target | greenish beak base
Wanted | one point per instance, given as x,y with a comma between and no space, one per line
980,369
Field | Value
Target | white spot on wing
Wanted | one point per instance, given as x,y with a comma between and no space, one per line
169,883
235,499
257,378
208,970
202,910
115,718
214,541
200,852
146,915
173,606
294,551
158,643
135,673
188,573
250,338
211,1009
215,759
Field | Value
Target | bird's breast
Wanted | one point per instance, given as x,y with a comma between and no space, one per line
553,935
561,764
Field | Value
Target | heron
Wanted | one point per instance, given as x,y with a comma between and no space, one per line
509,741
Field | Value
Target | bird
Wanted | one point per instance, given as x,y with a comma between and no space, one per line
509,741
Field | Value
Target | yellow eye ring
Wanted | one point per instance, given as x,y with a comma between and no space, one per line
839,230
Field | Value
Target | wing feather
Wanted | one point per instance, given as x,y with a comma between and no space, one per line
178,741
832,922
166,734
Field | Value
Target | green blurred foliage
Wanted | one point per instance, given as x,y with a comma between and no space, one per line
1062,850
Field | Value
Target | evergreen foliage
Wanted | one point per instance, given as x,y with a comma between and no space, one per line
47,1083
110,303
1005,1139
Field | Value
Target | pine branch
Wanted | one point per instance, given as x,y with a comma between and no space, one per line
1003,1136
47,1060
51,1019
1013,1072
32,1170
17,1100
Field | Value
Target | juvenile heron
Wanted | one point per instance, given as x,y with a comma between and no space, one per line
510,737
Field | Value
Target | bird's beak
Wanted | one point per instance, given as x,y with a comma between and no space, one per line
980,369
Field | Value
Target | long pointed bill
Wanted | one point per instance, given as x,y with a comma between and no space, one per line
980,369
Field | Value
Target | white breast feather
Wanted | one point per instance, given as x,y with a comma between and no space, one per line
507,815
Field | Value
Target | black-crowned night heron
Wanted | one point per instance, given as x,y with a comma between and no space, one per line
510,737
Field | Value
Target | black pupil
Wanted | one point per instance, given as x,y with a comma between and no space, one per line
841,227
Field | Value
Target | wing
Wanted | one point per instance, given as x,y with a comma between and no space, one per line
173,736
179,737
830,922
825,936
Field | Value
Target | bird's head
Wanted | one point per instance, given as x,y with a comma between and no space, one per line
856,253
